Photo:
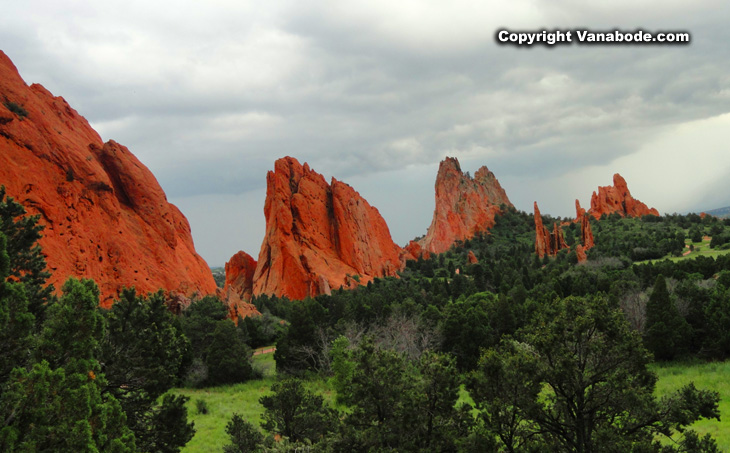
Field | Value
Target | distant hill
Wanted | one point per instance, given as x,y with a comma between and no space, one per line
722,213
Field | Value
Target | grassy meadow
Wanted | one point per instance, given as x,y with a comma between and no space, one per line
701,248
223,401
714,376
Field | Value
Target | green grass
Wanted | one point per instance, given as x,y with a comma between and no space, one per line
224,401
711,376
210,435
265,362
701,248
243,399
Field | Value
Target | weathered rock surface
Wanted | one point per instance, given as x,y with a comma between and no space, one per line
319,236
471,258
542,235
415,251
547,243
617,198
465,206
586,233
105,215
238,288
239,274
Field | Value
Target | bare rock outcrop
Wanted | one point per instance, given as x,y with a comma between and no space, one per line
618,199
319,236
465,206
105,215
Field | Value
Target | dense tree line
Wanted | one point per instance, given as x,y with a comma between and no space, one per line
468,307
76,377
574,379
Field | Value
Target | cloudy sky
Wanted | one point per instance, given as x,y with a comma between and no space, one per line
209,94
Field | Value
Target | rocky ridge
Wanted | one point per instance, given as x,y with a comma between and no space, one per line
607,200
105,215
618,199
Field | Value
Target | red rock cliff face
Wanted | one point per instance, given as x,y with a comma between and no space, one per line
617,198
319,236
465,206
106,217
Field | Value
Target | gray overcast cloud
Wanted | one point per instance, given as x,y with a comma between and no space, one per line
376,93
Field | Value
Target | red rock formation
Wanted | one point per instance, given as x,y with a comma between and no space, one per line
586,233
238,289
319,236
465,206
239,275
471,258
542,235
415,251
580,253
617,198
547,243
105,215
558,240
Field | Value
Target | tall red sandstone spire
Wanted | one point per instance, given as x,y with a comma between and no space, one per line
105,215
319,236
547,243
465,206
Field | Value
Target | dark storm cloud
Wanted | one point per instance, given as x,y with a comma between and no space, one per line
209,95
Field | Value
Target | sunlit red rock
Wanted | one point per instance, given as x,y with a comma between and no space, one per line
415,251
238,289
618,199
465,206
105,215
239,274
580,253
319,236
547,243
542,236
586,233
558,239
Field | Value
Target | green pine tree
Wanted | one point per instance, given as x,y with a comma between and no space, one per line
26,262
58,405
665,330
